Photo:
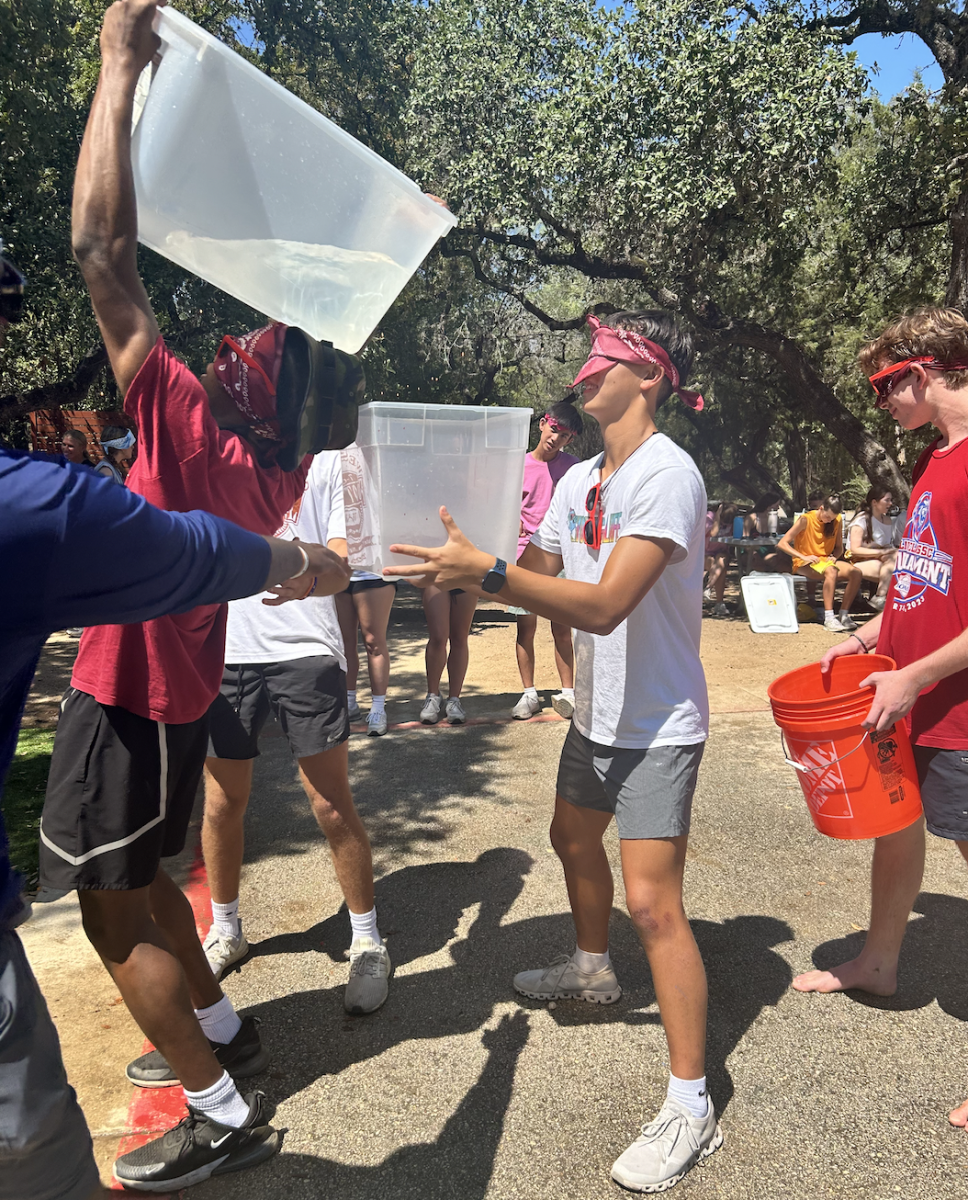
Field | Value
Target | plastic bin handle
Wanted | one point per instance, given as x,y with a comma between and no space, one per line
821,766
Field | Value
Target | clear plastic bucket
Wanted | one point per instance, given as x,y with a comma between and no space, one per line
245,185
409,459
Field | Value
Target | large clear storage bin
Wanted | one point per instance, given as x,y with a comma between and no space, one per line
409,459
242,183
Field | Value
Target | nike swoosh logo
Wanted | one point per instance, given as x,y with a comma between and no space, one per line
215,1145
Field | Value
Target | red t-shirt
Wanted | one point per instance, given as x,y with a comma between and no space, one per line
927,606
170,669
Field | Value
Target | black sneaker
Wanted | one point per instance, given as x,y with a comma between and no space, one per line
198,1148
243,1056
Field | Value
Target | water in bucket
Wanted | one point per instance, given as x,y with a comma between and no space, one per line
857,784
245,185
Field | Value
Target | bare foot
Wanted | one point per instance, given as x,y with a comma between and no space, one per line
959,1116
854,974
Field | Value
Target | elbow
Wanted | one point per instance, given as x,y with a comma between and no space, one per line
602,625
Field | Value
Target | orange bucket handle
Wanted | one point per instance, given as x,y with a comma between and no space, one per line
823,766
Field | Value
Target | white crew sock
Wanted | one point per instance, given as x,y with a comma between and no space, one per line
220,1022
531,693
351,700
378,704
691,1093
584,960
222,1102
844,610
225,917
364,926
569,692
828,614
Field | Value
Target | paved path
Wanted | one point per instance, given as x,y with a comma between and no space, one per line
454,1091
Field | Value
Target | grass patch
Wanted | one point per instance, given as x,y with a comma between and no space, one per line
23,799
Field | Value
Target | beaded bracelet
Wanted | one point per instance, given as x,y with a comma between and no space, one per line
861,643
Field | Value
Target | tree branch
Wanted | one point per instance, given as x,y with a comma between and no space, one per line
62,394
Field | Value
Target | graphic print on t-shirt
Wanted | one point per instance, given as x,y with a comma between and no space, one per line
611,526
921,563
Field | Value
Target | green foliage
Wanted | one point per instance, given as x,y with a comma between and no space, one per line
23,798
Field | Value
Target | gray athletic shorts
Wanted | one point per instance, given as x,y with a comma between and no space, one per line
943,777
649,791
45,1147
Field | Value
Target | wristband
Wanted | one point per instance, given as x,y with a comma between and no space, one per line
305,562
313,588
861,643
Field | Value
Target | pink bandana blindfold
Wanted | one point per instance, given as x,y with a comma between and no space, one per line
624,345
248,369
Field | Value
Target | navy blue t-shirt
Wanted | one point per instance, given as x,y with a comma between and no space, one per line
75,549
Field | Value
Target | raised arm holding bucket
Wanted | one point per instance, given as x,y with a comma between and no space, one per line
919,370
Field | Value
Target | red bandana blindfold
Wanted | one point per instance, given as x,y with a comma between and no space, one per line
248,369
611,345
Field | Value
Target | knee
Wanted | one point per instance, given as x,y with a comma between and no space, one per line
653,915
112,933
373,644
856,574
333,817
563,841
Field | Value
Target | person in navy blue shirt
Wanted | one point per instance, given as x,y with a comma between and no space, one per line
56,522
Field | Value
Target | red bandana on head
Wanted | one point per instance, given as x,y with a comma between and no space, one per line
248,368
610,345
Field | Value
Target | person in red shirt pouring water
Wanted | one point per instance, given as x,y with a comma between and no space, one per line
919,370
131,742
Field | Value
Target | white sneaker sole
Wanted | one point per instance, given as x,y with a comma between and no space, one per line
631,1184
588,994
219,968
564,707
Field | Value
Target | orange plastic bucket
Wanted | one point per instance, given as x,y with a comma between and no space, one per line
858,784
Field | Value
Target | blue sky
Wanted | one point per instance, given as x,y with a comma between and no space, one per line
897,58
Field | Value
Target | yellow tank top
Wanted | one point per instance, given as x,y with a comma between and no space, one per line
812,540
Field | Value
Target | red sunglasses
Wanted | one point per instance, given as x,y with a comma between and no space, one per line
228,344
884,382
592,529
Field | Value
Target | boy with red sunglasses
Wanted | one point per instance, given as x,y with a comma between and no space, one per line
918,368
629,528
544,467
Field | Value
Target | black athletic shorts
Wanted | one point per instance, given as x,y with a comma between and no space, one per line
120,795
365,585
306,695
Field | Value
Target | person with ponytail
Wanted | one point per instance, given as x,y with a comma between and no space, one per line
816,545
118,446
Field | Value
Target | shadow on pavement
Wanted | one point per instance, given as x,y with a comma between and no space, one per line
423,905
458,1164
933,964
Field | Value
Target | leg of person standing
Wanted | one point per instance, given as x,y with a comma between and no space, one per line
349,626
436,606
564,701
462,606
373,606
526,624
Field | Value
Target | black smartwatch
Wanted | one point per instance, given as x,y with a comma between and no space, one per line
496,578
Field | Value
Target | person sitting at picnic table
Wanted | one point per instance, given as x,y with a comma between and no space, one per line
816,545
757,524
719,522
872,548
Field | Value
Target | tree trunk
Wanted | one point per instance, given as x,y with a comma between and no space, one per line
797,466
957,294
65,393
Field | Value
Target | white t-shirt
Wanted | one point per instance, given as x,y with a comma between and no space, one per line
883,531
642,684
258,633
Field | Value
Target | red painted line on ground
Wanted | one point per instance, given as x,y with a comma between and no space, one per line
153,1111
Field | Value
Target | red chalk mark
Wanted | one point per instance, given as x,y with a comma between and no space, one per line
154,1111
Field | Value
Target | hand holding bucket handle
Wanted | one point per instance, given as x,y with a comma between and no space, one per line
894,695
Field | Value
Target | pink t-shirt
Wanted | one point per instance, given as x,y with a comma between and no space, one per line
170,669
540,481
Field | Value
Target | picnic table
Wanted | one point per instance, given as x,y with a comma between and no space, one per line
748,543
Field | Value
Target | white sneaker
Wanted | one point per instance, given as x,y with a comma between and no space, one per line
430,713
564,980
708,594
564,705
376,724
668,1148
526,707
369,973
847,621
720,610
878,602
832,625
222,950
455,711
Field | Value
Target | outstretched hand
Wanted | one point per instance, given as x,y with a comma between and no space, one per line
456,564
127,36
